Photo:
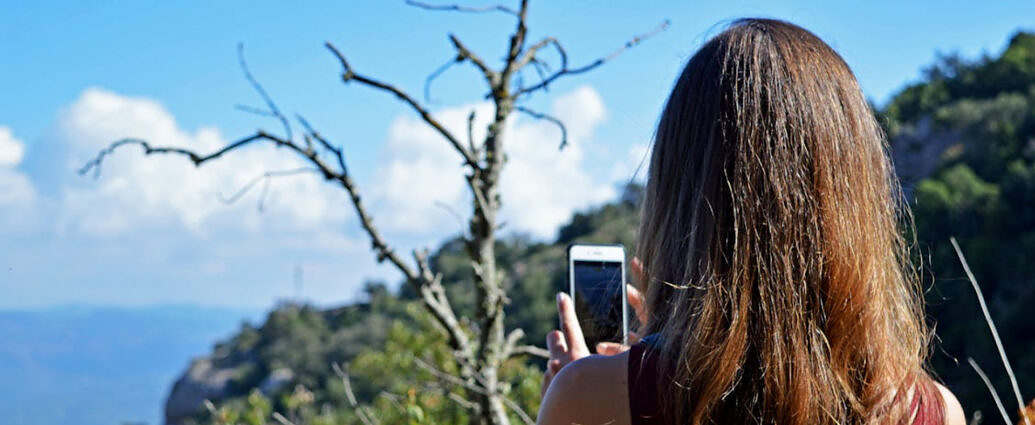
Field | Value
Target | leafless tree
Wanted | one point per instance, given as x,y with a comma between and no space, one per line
481,347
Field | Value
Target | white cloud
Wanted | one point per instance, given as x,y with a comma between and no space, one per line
543,186
540,185
134,191
11,149
152,229
421,177
17,193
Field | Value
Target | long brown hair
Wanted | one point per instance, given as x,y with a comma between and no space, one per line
779,280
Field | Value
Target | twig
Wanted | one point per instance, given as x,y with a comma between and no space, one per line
467,385
452,212
363,415
458,8
348,74
254,110
470,134
339,154
991,327
530,57
550,118
435,74
273,110
95,164
991,389
465,403
280,418
463,53
262,177
566,71
530,350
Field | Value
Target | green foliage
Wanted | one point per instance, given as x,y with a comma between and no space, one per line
982,191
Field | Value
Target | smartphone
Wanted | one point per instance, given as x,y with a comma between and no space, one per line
596,276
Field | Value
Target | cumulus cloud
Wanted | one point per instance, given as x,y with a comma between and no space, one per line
11,149
165,214
421,180
421,185
543,186
133,191
17,194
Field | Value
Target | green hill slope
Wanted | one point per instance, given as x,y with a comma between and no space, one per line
964,139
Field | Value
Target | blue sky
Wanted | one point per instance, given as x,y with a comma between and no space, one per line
76,75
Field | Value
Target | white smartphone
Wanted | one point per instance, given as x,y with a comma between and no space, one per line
596,276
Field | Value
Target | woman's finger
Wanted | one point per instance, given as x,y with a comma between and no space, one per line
637,272
555,344
636,301
570,327
611,348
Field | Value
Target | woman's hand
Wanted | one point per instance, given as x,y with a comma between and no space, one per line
568,344
565,345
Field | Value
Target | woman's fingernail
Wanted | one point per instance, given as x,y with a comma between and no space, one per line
560,295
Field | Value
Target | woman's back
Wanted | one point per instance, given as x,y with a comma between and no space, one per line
620,390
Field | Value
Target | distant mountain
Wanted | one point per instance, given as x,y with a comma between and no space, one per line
79,365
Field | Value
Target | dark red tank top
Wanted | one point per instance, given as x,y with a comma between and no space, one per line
643,392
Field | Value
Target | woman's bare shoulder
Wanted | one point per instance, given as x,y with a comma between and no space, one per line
953,410
591,390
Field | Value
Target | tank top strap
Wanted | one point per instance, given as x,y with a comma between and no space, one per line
927,406
643,385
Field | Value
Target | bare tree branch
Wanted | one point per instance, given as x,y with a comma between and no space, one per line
434,297
339,154
517,42
458,8
530,350
434,74
281,419
253,110
463,402
550,118
264,177
361,411
463,53
470,134
460,383
991,389
348,74
530,54
95,164
565,71
456,215
273,109
991,327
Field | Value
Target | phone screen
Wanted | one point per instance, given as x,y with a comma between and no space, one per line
598,300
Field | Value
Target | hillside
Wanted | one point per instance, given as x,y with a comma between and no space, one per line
964,140
296,345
